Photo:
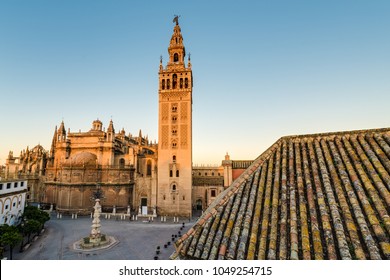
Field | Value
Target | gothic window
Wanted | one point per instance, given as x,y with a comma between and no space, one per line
177,173
163,84
175,56
174,118
173,187
168,83
213,193
186,82
181,82
122,163
174,158
174,108
174,132
174,144
170,173
174,81
149,168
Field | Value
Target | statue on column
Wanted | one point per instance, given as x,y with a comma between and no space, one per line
176,19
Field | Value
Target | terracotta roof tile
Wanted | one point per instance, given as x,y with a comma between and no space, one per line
320,196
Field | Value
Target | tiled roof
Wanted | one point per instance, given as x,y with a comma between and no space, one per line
323,196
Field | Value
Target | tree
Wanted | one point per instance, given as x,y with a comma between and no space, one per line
33,213
9,235
31,226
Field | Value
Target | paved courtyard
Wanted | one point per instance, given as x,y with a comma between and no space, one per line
137,240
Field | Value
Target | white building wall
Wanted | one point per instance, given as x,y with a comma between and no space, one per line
12,201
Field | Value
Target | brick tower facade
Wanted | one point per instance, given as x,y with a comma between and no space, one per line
175,131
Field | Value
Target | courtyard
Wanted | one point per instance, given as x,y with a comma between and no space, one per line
137,240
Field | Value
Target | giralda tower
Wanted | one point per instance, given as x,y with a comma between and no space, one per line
175,131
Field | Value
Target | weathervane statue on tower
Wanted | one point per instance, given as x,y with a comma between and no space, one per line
176,19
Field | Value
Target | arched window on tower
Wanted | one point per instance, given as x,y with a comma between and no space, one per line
181,82
122,163
176,56
163,84
177,173
168,83
186,83
174,81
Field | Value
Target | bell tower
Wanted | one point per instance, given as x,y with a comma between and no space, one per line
175,131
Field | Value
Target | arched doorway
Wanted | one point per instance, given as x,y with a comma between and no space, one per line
199,204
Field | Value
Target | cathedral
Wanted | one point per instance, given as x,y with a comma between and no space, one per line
133,174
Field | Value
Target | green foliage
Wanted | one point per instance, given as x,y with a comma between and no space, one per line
10,236
33,213
32,226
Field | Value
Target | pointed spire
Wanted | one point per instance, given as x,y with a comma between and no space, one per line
111,127
61,132
176,48
53,143
110,131
140,134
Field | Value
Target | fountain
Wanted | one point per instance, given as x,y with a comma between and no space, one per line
96,240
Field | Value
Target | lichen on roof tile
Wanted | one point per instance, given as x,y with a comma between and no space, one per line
319,196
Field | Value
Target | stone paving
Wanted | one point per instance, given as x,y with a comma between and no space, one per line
137,240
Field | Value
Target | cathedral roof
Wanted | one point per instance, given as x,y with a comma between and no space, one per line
323,196
82,159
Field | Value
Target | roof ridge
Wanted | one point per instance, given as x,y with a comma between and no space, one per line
337,133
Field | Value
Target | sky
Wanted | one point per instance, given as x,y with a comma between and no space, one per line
261,69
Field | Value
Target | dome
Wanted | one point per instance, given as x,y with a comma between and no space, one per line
82,159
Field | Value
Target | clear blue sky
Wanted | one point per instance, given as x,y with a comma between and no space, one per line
262,69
